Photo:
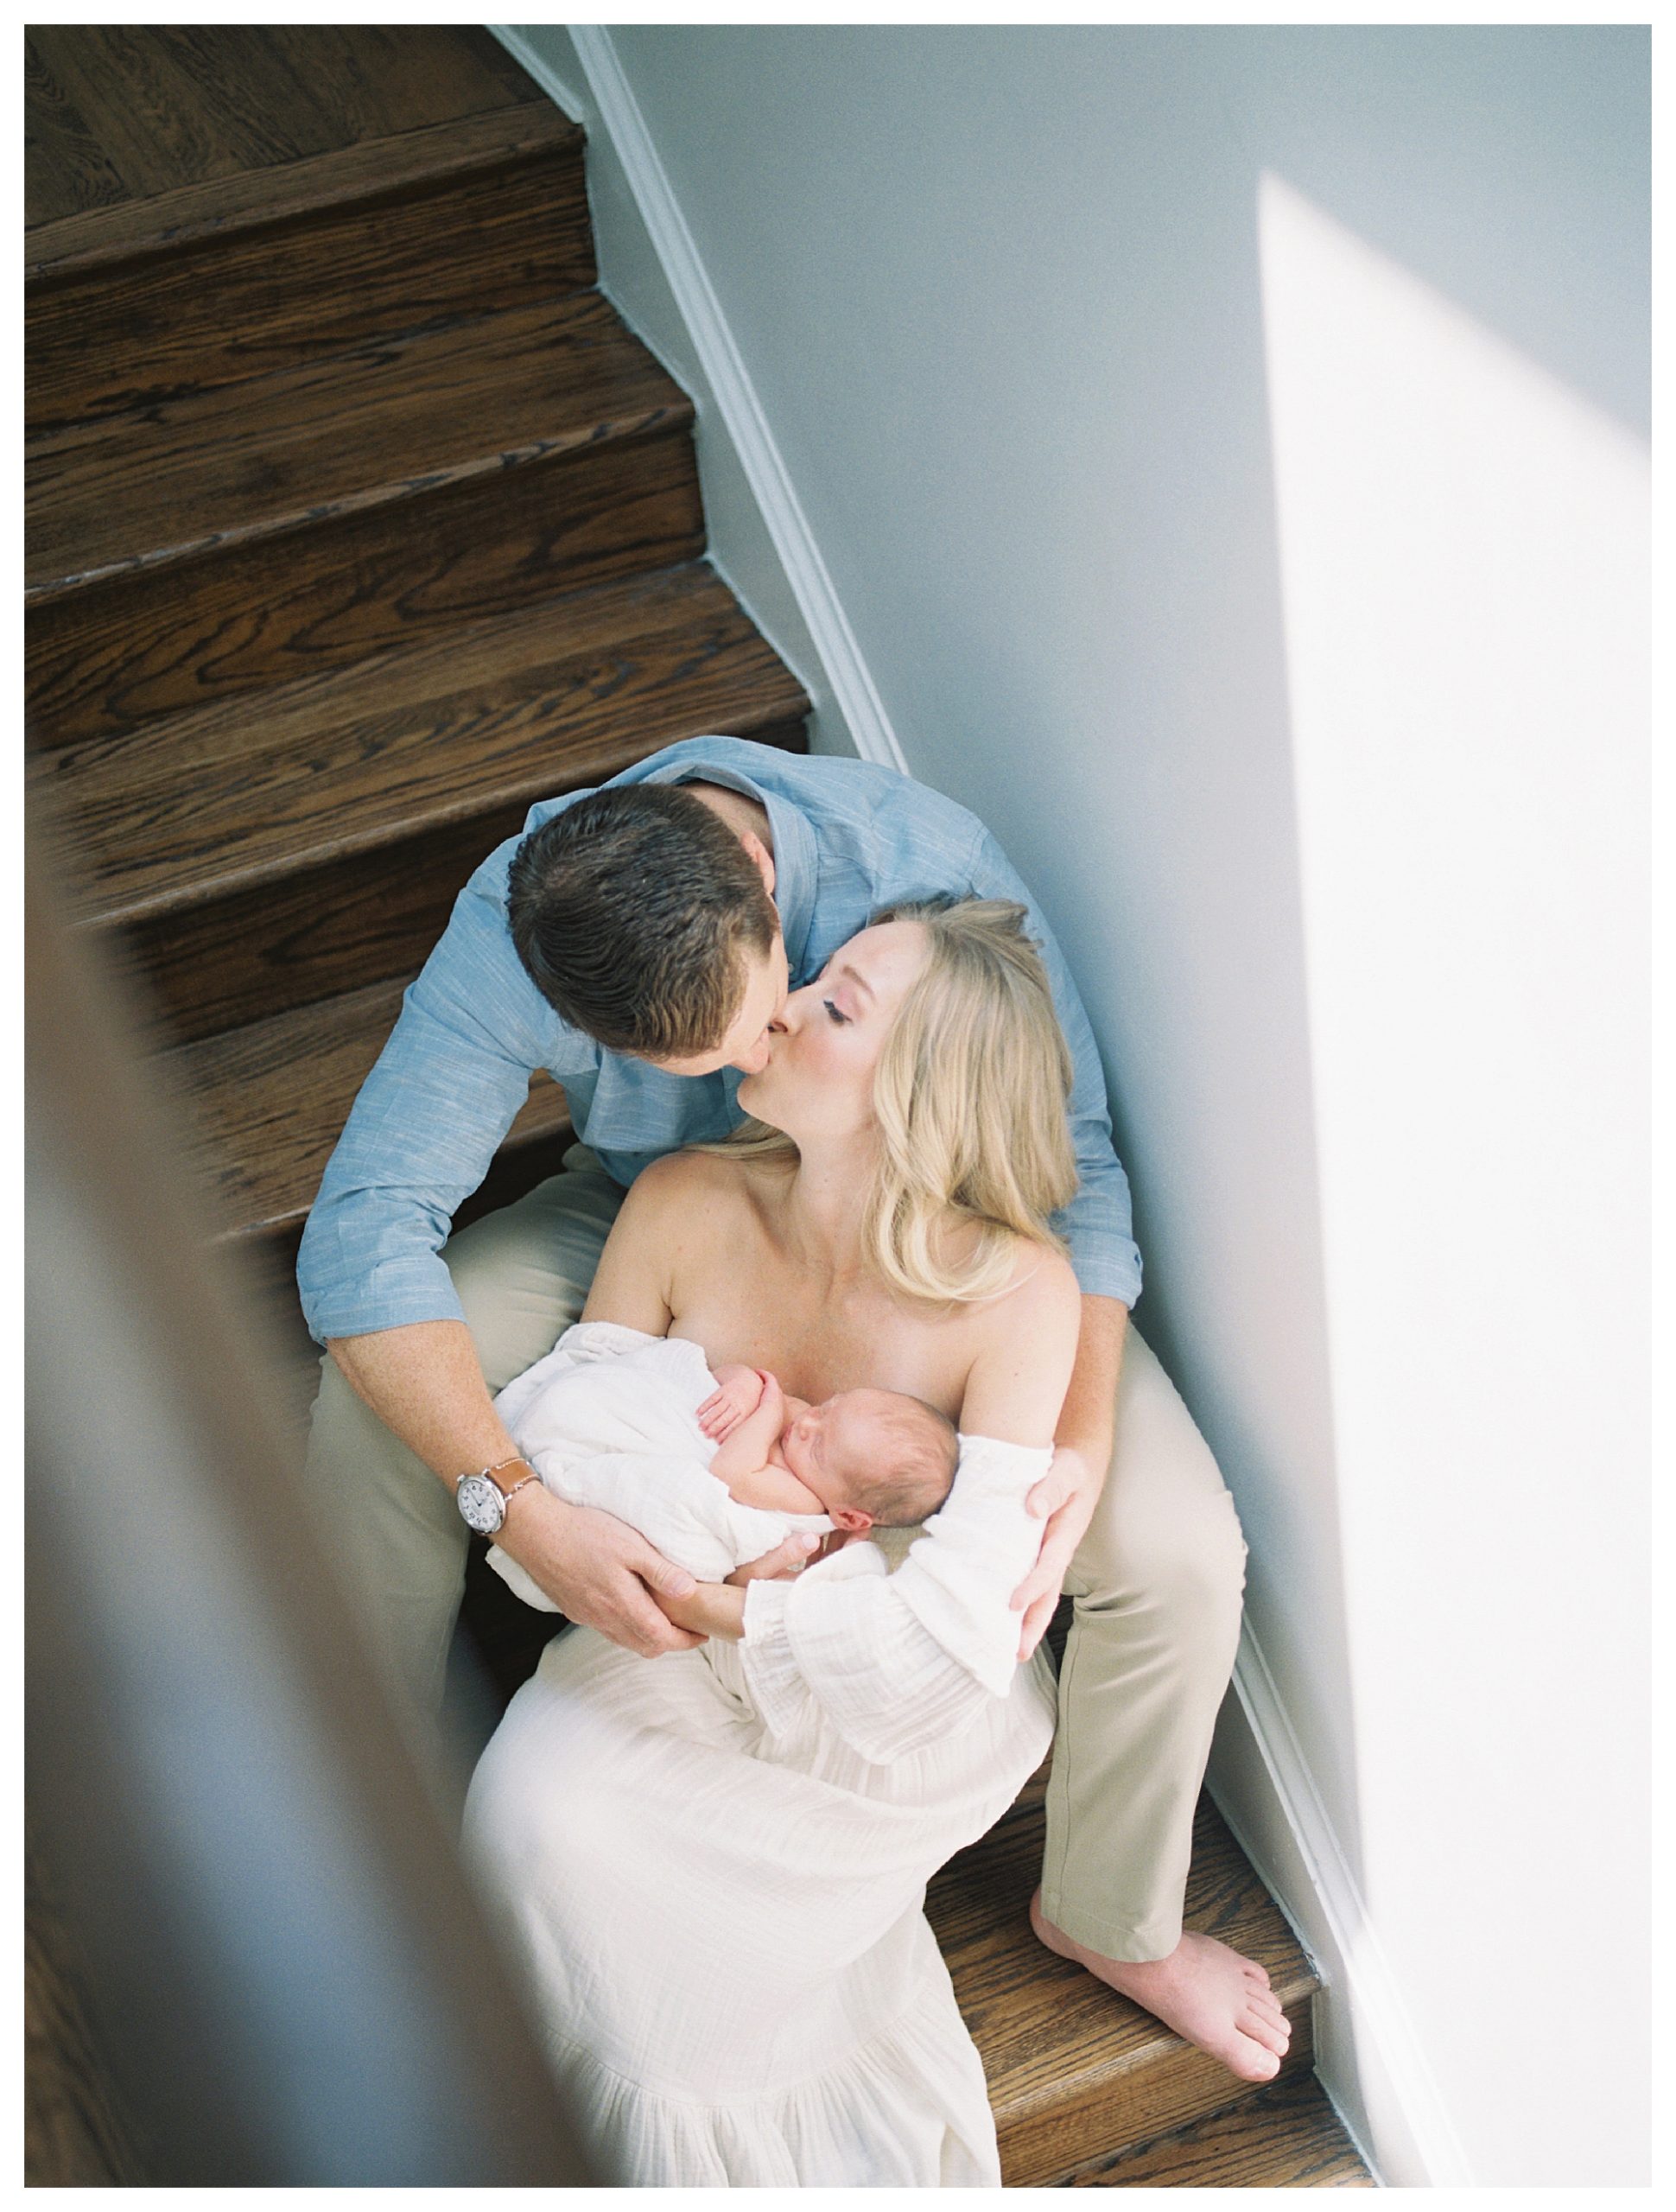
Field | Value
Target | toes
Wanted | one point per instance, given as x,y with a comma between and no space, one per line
1254,1973
1266,2005
1273,2035
1252,2061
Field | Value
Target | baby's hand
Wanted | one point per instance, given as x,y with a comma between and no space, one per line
740,1393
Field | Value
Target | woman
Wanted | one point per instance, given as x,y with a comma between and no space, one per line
715,1866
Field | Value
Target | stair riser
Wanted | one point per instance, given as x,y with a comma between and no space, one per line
355,921
220,309
1042,2149
102,660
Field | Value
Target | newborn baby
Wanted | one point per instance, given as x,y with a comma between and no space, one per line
716,1470
866,1458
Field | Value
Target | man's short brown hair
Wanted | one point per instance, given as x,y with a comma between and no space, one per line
635,912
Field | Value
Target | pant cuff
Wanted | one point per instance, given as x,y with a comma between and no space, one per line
1129,1942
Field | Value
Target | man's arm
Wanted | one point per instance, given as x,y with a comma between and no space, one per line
374,1287
1082,1452
1097,1224
426,1385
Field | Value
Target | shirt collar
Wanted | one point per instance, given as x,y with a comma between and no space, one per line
797,858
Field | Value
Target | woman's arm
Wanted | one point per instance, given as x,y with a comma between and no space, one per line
631,1282
1016,1386
895,1662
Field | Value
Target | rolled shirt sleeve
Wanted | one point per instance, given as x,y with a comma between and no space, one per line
1098,1224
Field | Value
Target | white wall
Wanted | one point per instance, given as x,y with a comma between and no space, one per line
1227,447
739,545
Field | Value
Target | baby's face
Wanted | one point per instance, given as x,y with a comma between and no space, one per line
832,1446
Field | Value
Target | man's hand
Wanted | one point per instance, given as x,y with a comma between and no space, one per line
598,1571
1066,1497
739,1394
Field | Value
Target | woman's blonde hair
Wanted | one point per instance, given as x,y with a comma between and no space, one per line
969,1097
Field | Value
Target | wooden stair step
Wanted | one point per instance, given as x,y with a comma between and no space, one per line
220,209
117,113
283,264
270,1100
1077,2073
1283,2135
393,420
201,805
105,659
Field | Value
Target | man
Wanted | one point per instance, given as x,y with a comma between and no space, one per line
638,942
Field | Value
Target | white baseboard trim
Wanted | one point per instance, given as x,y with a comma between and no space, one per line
1386,2044
618,113
559,89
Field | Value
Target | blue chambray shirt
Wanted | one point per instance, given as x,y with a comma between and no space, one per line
849,839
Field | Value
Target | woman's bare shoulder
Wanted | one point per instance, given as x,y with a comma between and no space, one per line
690,1186
1044,1289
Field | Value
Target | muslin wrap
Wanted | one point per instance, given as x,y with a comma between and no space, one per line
609,1418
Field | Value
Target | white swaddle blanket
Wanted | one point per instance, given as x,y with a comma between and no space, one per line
609,1418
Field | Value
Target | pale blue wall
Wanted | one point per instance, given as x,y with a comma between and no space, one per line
998,293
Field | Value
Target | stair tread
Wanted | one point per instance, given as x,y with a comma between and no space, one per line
376,168
378,422
196,806
1042,2022
1076,2072
268,1102
1284,2135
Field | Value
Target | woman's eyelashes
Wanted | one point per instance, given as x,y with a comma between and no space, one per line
832,1010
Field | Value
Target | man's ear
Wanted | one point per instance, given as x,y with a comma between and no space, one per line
762,857
851,1519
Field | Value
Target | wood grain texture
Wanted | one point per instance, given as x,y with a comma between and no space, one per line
376,425
265,611
267,1104
1285,2135
318,932
205,805
223,307
102,238
1076,2072
169,106
153,125
67,172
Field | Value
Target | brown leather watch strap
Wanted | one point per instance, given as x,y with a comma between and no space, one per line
509,1490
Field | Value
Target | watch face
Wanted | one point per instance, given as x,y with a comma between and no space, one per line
482,1504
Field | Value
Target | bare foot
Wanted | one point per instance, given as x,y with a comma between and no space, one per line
1204,1991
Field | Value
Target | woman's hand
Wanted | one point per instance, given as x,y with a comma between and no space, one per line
1066,1497
718,1608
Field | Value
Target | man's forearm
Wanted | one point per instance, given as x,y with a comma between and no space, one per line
1088,1419
425,1382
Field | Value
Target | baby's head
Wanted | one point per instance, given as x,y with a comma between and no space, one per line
874,1458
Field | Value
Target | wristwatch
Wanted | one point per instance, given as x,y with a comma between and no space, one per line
483,1498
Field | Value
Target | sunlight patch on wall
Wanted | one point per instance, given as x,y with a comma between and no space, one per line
1464,562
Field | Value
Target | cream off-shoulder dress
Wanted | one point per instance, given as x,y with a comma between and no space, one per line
712,1866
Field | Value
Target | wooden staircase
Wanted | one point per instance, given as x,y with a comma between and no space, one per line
357,522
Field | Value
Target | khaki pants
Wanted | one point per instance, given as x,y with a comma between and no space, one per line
1156,1584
